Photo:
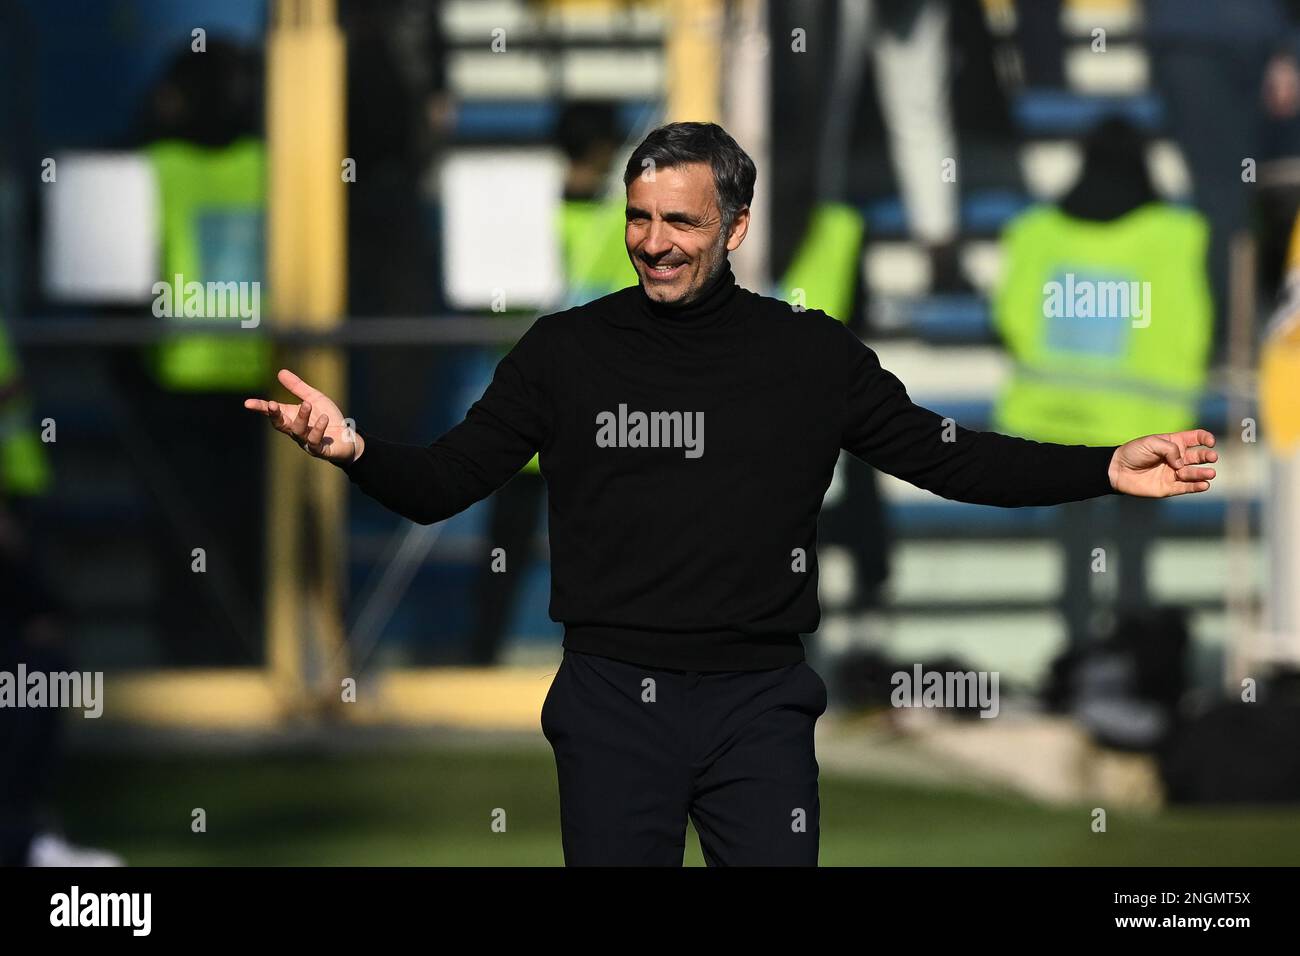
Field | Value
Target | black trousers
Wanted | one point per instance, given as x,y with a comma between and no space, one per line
639,749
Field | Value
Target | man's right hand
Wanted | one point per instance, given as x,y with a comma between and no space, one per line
316,424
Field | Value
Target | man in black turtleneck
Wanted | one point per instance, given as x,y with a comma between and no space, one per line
687,430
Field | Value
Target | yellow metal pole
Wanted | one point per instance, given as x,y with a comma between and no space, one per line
306,265
694,60
324,300
283,485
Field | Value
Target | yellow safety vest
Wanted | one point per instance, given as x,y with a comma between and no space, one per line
1109,324
211,207
24,466
825,269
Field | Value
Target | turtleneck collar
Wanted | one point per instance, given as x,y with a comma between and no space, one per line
714,300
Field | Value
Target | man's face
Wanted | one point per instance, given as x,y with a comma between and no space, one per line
674,232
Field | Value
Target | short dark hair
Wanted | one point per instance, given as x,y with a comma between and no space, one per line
586,123
680,143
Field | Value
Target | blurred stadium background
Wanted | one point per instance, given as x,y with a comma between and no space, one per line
414,181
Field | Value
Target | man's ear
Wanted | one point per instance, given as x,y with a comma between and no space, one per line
739,228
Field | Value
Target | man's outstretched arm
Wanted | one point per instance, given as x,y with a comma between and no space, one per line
883,427
428,483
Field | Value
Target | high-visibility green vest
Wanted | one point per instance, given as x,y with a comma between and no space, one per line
24,467
211,206
1109,324
826,266
593,248
594,254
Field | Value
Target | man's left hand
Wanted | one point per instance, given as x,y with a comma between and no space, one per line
1161,466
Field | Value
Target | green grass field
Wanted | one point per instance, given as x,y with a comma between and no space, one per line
434,806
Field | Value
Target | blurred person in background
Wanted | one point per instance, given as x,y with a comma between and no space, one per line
33,631
31,635
590,233
907,43
201,132
1092,374
1229,77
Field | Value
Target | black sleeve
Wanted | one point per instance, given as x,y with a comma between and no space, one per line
501,431
883,427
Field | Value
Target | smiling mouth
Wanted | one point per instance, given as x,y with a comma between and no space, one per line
664,272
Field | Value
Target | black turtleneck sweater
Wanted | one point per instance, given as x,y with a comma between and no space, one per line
687,539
